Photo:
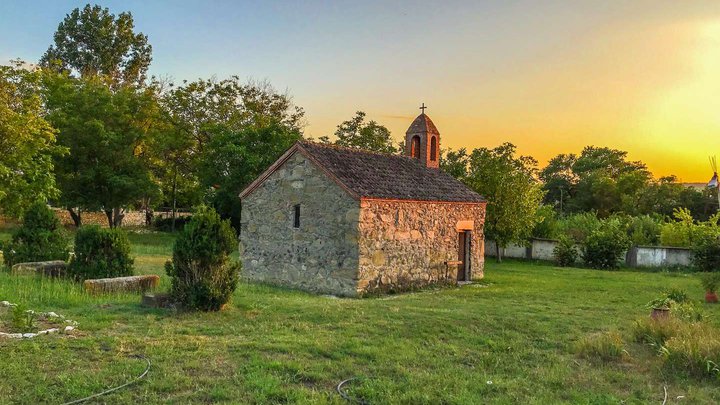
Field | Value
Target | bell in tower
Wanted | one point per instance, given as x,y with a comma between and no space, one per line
422,140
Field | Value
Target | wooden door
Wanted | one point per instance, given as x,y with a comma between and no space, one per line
464,250
461,256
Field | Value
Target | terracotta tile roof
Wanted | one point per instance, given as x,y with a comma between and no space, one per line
385,176
422,124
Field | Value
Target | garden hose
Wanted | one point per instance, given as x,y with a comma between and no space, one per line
346,396
147,369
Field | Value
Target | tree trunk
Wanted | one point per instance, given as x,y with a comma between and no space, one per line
498,252
76,217
109,215
119,214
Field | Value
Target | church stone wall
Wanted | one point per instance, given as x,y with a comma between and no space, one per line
319,256
405,244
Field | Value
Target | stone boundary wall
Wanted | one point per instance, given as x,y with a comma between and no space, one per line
637,256
132,218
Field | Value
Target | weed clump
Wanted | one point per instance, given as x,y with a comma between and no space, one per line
603,346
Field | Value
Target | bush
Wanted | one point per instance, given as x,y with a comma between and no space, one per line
606,346
643,230
565,253
656,332
706,254
39,238
578,226
202,275
710,281
165,224
696,351
684,232
677,295
604,247
688,312
100,253
547,225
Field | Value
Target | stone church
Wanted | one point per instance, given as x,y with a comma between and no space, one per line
344,221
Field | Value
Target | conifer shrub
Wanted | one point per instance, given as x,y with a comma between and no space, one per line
100,253
39,238
565,253
604,247
203,277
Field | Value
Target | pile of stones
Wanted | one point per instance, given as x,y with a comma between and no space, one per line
68,327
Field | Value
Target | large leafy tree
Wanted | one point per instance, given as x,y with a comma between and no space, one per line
599,179
106,132
665,195
361,134
455,163
27,142
513,193
559,180
232,131
235,158
93,41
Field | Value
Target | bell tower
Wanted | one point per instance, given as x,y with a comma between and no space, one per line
422,140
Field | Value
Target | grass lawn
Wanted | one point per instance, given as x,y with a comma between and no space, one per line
508,339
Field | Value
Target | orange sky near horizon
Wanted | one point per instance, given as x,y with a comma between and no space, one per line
650,88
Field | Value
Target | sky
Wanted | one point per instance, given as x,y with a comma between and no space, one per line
549,76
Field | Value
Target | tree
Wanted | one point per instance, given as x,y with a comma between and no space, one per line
106,132
39,238
235,158
513,194
27,142
234,131
356,133
455,163
559,180
599,179
203,276
92,41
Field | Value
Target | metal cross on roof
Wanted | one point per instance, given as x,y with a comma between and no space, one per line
423,108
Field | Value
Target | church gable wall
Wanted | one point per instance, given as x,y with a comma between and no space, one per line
405,244
321,255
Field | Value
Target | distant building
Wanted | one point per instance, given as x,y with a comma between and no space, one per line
696,186
344,221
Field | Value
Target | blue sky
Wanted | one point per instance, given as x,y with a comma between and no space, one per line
549,76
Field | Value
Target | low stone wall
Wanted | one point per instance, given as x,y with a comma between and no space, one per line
659,256
637,256
512,251
132,218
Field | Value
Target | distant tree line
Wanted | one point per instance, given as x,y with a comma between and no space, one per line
88,130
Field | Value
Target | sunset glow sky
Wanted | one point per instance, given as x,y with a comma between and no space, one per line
551,77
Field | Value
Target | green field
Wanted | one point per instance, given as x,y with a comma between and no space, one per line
506,339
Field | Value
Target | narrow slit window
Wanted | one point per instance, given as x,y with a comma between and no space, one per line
296,217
